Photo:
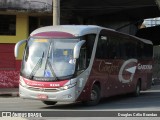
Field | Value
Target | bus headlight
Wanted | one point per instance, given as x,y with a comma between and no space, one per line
68,86
65,87
21,82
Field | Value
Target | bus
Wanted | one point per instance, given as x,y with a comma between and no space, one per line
83,63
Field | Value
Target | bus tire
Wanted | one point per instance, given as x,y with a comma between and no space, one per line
49,102
94,96
136,93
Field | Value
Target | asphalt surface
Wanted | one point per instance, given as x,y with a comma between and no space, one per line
148,101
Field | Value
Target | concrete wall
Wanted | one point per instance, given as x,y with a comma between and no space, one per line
156,67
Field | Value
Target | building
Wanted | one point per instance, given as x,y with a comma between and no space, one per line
155,23
18,19
152,22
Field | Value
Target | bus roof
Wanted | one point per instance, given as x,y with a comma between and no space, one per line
76,30
79,30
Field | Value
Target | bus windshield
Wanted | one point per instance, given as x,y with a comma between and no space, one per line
49,58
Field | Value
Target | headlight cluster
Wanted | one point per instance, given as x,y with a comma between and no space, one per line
68,86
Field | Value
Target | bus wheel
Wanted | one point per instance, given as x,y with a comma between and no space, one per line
137,90
94,96
49,102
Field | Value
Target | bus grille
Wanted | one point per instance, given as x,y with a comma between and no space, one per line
43,89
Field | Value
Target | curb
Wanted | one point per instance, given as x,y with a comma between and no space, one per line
6,92
155,87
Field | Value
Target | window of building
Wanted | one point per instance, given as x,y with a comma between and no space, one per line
36,22
152,22
7,25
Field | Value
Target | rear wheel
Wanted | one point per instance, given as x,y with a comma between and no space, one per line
94,96
138,88
49,102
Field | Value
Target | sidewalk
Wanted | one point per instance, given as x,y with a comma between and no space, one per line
155,87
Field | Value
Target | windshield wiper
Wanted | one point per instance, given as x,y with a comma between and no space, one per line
37,66
52,71
49,64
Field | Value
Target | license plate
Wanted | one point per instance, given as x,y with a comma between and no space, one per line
42,96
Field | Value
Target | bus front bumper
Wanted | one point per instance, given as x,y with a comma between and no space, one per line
67,95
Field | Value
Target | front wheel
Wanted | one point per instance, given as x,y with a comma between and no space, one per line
49,102
94,96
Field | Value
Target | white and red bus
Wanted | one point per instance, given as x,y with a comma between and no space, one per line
70,63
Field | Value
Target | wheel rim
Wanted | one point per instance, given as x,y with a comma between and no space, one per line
138,90
94,95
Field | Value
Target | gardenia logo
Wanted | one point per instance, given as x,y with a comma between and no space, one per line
131,70
144,67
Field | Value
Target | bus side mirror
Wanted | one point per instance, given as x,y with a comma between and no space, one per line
16,48
77,48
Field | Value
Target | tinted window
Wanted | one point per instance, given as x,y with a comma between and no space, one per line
113,45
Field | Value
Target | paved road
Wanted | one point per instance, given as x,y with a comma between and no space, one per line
147,101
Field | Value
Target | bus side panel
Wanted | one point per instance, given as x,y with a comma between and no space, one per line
100,82
95,77
144,72
106,74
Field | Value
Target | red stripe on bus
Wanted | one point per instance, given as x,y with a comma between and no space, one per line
45,84
54,35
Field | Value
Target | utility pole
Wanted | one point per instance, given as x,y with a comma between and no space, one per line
56,12
158,3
